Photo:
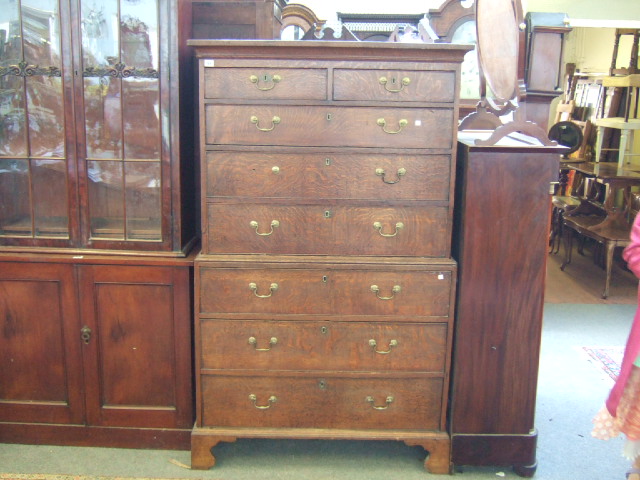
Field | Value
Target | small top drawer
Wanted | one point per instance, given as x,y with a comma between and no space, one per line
394,86
265,83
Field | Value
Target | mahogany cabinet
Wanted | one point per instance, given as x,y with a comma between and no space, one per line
325,285
97,218
95,351
500,243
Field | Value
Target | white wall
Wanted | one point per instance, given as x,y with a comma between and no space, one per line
623,13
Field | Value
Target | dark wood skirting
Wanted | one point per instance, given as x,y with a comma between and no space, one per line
86,436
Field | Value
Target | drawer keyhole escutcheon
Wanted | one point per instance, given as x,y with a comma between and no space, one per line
395,290
272,288
381,173
85,334
274,224
324,330
328,162
253,341
401,124
271,81
254,399
378,227
329,117
385,81
370,400
274,121
322,384
328,214
373,344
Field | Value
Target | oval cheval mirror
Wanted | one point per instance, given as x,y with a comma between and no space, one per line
499,27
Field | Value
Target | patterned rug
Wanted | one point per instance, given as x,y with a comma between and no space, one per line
607,358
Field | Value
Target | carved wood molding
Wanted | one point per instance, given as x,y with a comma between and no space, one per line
23,69
120,70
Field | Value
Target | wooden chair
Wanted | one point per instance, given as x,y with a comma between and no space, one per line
627,124
633,61
611,237
584,193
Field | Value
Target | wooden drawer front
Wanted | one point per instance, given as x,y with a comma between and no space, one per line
336,176
325,291
321,402
316,229
395,86
265,84
348,346
328,126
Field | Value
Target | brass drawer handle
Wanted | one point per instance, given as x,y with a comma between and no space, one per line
272,288
396,289
265,78
378,227
274,121
370,400
253,341
384,81
401,124
381,173
373,344
272,399
274,224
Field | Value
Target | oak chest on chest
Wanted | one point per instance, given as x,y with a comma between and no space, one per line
325,287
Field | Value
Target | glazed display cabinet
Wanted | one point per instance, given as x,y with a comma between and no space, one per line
90,154
96,223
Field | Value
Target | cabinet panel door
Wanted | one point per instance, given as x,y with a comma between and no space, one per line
137,361
41,376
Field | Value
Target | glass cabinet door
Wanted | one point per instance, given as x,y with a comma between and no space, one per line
121,161
34,181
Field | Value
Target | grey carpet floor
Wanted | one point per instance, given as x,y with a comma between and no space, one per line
571,390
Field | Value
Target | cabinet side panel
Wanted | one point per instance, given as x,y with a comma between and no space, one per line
501,249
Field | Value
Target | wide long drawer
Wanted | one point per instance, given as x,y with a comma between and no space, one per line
327,175
418,295
322,402
327,230
329,126
345,346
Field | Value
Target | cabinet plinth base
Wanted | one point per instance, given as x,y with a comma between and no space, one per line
518,451
437,444
95,436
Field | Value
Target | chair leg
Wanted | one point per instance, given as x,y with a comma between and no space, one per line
552,230
568,246
624,134
558,235
609,248
599,138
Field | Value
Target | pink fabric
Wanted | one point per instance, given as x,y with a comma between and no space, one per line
632,256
